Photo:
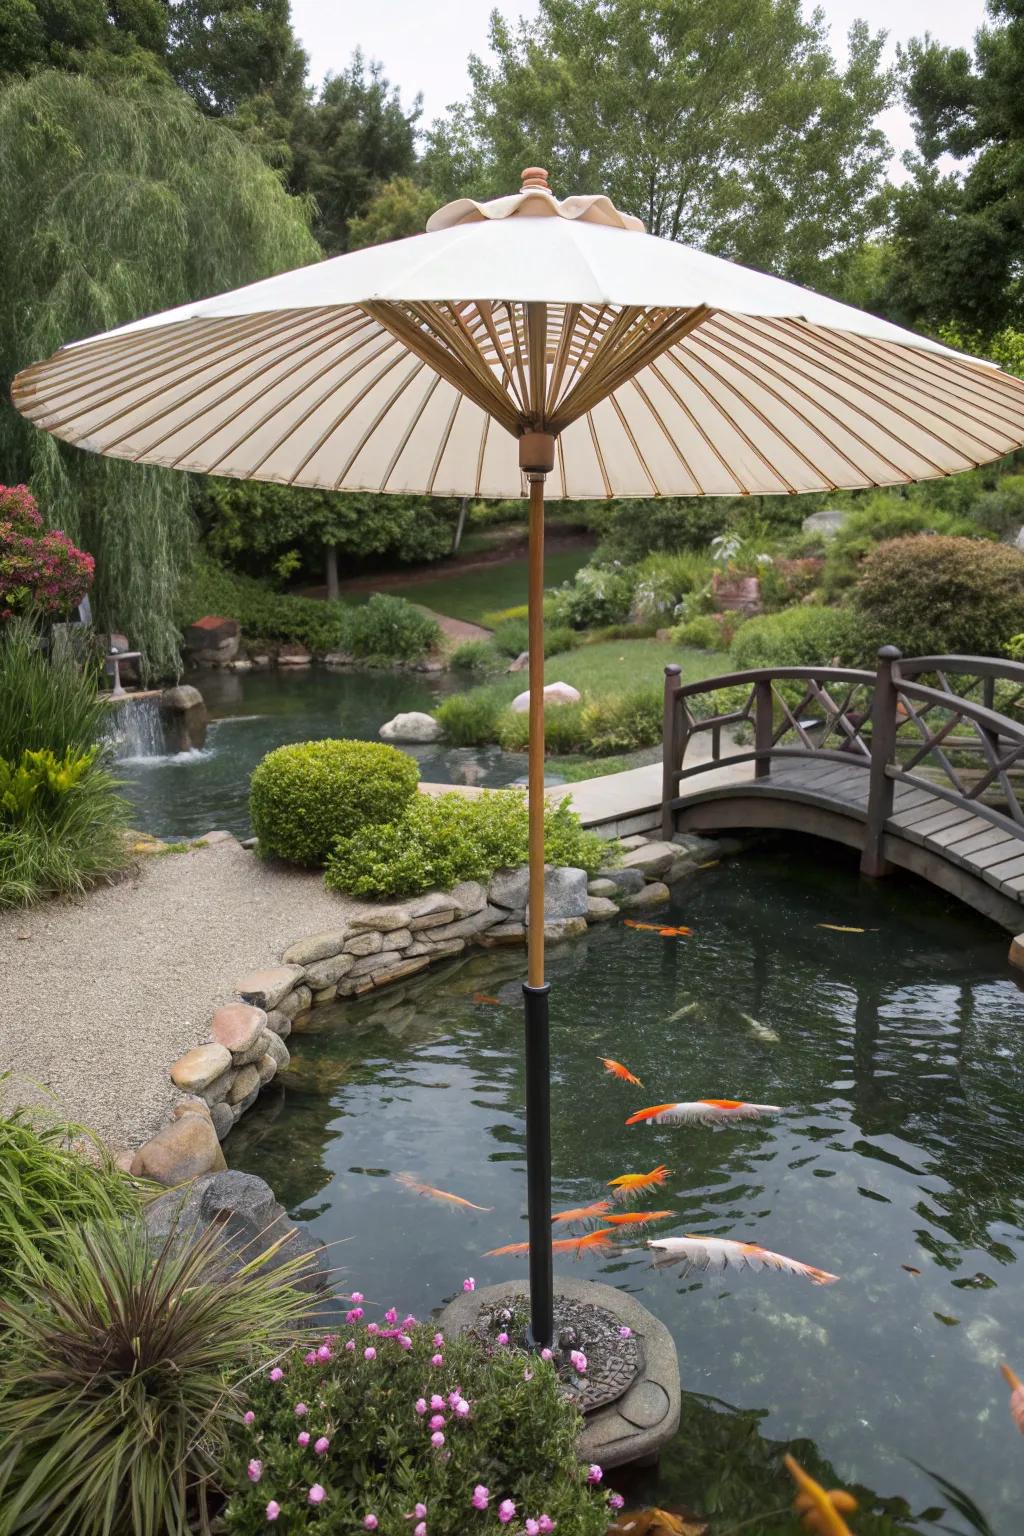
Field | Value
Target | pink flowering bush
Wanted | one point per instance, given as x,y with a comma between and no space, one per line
405,1432
39,572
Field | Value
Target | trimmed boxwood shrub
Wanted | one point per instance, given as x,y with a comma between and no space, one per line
942,596
800,637
447,838
303,796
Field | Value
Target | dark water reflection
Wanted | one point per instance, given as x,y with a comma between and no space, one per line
251,713
900,1066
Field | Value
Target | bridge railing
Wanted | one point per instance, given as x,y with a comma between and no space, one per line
913,720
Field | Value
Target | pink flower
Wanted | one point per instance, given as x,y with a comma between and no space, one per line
437,1359
273,1509
316,1494
469,1284
615,1501
480,1496
578,1360
437,1439
357,1297
527,1375
462,1408
370,1522
351,1344
595,1473
372,1328
302,1438
545,1354
311,1357
322,1445
323,1354
249,1417
421,1529
502,1338
391,1315
369,1353
532,1528
438,1340
419,1513
506,1511
255,1470
276,1373
301,1410
408,1321
437,1422
405,1341
354,1315
625,1333
546,1525
437,1402
421,1406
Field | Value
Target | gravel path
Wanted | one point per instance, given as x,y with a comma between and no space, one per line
100,995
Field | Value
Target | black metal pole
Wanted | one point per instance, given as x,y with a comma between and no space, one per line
538,1163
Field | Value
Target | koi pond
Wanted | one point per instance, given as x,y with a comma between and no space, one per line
896,1053
188,793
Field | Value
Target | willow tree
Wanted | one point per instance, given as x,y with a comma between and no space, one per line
119,198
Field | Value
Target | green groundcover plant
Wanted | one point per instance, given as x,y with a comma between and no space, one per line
304,795
397,1429
446,838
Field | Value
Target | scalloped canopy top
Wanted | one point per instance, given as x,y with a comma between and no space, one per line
534,200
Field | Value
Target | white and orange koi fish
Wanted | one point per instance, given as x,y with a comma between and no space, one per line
717,1254
618,1070
599,1209
702,1112
409,1182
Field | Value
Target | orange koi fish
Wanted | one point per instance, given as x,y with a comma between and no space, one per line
629,1185
408,1182
718,1254
482,997
584,1212
618,1070
820,1509
702,1112
637,1219
596,1241
1016,1387
666,933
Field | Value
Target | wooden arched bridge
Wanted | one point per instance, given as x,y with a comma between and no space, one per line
918,764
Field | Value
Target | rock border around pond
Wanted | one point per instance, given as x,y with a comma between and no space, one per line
370,948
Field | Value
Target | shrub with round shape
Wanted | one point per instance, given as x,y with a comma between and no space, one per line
805,636
935,597
303,796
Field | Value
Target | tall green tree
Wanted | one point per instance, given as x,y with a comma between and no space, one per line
66,34
114,203
348,143
958,235
723,123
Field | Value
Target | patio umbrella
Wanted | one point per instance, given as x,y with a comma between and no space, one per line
529,343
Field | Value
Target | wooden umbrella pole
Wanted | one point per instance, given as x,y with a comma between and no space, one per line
536,455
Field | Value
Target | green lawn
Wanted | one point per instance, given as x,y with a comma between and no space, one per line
469,594
612,666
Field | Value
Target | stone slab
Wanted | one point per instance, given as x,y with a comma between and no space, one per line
318,946
654,895
265,988
637,1425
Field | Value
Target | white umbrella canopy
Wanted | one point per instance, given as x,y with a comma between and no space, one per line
413,367
529,340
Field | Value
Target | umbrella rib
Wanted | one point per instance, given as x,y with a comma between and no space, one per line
570,314
537,343
656,414
399,324
328,432
481,451
633,442
204,410
443,444
524,388
591,379
861,364
741,486
639,350
725,338
970,370
705,343
78,360
414,422
417,367
485,311
675,358
561,464
600,456
463,344
584,346
275,409
964,380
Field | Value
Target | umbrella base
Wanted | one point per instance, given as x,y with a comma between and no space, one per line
633,1411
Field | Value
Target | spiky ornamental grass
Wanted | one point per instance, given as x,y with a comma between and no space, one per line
394,1428
122,1378
118,199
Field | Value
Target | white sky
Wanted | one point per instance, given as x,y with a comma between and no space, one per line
424,47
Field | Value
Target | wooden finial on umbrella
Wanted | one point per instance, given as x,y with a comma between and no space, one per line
534,179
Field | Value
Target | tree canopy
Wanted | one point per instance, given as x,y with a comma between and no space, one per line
115,203
723,123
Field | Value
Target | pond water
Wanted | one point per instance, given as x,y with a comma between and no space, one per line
186,794
898,1162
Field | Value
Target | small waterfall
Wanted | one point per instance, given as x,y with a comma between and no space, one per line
137,730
